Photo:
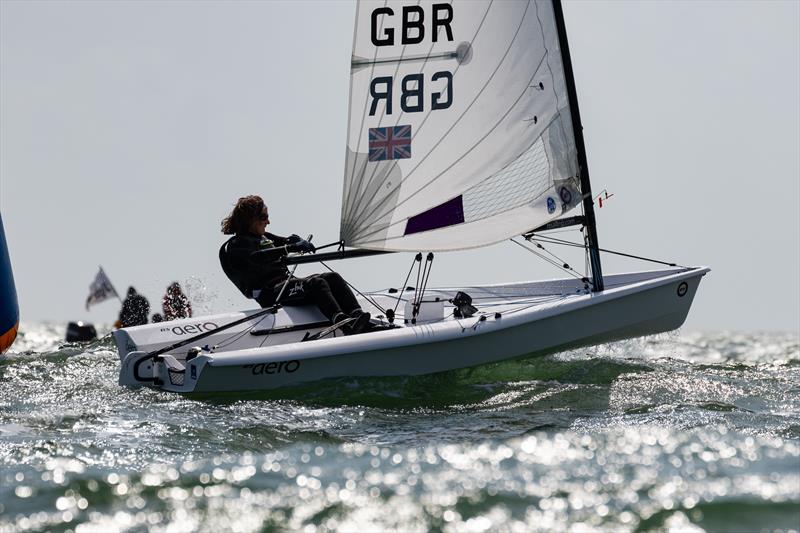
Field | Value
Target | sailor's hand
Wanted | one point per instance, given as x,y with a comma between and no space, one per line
306,247
302,246
293,239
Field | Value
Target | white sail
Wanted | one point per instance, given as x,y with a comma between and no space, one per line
460,132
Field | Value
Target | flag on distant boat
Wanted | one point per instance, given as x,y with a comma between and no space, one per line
393,142
101,289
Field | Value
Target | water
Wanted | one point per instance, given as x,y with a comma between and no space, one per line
681,432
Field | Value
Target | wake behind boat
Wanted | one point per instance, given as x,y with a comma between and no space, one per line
464,131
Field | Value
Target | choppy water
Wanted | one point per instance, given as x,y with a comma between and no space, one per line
690,432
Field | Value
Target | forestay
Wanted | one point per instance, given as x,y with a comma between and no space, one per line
459,131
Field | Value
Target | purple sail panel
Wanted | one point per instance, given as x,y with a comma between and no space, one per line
447,214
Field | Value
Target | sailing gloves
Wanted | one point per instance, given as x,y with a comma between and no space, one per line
296,244
305,246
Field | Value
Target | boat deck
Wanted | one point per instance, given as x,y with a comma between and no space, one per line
292,324
500,298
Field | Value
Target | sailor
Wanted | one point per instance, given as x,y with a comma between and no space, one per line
175,304
252,259
134,310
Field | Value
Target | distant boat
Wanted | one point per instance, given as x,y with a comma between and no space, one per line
463,131
9,308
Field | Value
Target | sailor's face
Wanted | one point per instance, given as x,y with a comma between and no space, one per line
260,223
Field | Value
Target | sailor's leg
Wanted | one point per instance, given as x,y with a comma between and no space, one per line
347,301
319,291
293,294
341,292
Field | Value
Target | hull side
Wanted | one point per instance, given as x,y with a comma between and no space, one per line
655,308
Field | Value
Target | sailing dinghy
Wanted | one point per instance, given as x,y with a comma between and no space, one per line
463,132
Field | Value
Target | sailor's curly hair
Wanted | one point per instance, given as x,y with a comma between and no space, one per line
243,214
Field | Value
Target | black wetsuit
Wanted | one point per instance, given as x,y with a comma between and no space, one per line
254,264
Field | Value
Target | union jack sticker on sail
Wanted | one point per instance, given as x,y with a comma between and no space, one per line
393,142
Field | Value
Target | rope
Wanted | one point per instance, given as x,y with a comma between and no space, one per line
586,258
427,277
416,286
563,265
426,274
234,338
269,332
367,298
403,287
553,240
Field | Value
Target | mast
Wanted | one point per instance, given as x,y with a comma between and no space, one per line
583,167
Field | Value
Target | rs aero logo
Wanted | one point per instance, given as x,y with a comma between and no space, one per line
190,329
275,367
683,288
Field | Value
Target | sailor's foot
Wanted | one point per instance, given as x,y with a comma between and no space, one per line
359,324
372,328
338,318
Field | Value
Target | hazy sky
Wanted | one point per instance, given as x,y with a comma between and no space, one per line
128,130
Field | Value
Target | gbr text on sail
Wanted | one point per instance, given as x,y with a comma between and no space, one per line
409,27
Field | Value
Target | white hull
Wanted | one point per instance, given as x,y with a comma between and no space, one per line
520,320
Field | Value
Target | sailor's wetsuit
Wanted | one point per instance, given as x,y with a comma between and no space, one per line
254,264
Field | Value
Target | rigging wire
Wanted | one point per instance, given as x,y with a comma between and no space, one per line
419,271
563,265
554,240
425,278
426,274
269,331
367,298
587,261
274,319
233,338
418,257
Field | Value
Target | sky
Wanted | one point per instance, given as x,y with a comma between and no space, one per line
129,129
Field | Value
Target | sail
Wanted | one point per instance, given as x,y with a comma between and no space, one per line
9,309
459,128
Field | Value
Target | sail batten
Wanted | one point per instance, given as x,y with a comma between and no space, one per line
460,133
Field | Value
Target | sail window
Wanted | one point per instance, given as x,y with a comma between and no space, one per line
447,214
